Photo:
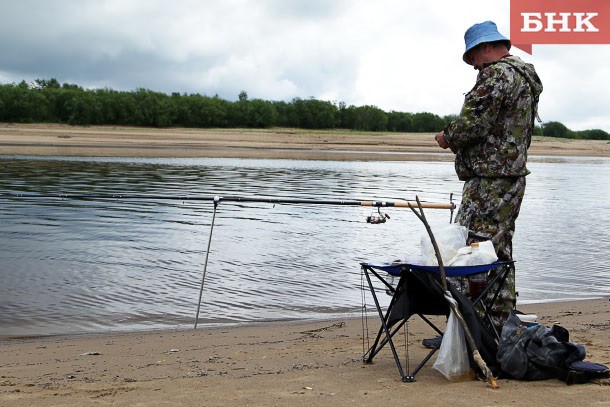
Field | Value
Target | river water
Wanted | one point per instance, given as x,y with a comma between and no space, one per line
70,266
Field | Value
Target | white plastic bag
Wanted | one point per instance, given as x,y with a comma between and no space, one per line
449,239
452,360
466,256
461,258
487,253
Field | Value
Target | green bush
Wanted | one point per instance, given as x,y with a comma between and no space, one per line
556,129
49,101
594,134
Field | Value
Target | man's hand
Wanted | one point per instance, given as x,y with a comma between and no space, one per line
440,140
442,143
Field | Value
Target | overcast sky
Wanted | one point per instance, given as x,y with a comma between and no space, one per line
398,55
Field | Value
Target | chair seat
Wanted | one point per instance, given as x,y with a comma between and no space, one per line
397,268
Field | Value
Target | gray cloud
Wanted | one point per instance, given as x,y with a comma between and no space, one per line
396,55
313,10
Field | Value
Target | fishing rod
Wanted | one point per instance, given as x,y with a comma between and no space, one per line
219,199
373,219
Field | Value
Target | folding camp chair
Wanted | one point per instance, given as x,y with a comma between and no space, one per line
419,293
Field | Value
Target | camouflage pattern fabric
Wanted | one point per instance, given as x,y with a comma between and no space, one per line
494,129
490,138
489,209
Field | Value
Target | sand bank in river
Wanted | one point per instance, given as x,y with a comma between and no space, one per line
98,141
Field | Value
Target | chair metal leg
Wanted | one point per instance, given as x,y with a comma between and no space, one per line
371,352
375,349
385,327
384,341
427,321
388,334
425,360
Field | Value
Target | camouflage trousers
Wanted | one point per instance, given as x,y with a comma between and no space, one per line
489,209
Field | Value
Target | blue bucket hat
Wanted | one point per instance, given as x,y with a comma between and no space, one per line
480,33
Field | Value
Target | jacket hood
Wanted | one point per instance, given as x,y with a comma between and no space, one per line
528,72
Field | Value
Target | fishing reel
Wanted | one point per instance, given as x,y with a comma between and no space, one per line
377,219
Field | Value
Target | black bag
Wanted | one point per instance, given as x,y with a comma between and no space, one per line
538,353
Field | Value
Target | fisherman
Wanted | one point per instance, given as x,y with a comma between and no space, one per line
490,139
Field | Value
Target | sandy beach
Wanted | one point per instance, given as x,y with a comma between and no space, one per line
285,364
291,364
99,141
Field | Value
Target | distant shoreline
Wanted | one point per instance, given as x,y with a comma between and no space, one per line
276,143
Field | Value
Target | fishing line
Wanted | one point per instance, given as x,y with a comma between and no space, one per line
382,218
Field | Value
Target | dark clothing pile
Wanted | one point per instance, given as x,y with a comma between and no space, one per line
538,352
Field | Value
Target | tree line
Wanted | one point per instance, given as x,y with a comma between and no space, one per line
557,129
49,101
52,102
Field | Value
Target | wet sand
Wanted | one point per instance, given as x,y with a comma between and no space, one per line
99,141
292,364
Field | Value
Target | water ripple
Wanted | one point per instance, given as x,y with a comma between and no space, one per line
77,266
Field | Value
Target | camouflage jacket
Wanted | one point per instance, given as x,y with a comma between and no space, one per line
494,129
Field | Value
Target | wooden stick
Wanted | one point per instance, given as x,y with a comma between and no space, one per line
437,252
475,352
